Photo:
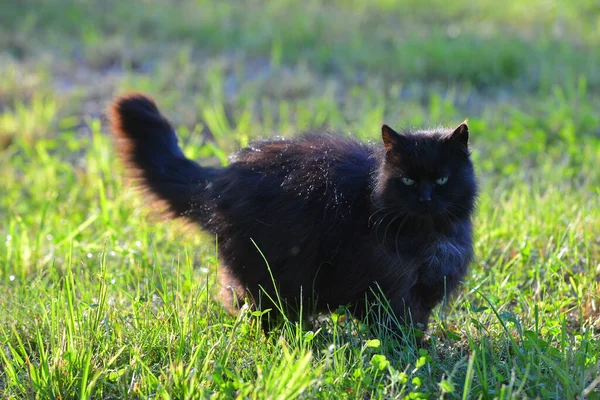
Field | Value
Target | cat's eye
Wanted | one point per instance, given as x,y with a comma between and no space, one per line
442,180
407,181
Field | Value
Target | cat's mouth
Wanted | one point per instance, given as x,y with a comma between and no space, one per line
425,210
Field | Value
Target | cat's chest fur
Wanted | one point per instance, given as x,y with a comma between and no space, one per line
435,259
426,270
441,264
444,256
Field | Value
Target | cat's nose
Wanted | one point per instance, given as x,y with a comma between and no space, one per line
425,192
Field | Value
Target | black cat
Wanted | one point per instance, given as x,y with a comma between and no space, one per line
336,219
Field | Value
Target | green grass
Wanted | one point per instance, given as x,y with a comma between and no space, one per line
100,299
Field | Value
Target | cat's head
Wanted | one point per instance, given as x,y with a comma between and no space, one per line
427,173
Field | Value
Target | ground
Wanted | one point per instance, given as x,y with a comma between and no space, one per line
102,299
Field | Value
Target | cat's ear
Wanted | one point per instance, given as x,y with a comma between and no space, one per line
391,138
461,134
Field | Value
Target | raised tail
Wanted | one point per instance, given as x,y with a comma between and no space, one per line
148,146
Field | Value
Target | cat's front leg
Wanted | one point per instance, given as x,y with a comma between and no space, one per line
410,311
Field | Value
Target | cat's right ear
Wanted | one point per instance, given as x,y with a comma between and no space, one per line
391,138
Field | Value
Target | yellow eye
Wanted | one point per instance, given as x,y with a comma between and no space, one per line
407,181
442,180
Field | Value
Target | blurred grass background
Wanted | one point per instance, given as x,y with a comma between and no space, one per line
100,300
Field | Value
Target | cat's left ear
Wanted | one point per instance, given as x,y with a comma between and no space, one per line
461,134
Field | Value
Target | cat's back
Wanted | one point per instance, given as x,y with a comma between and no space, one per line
294,179
313,164
303,151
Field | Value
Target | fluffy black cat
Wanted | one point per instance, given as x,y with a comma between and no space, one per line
337,220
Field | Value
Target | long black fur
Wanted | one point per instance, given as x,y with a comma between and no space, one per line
331,215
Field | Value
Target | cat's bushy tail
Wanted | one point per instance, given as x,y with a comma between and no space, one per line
148,146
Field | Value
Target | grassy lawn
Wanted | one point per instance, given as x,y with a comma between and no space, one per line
99,298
